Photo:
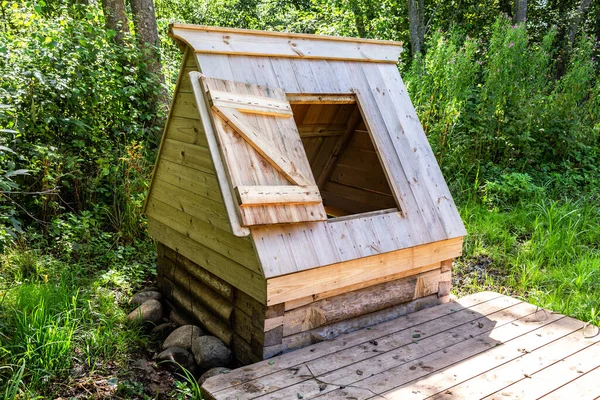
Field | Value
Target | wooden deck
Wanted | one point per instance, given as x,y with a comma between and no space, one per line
481,346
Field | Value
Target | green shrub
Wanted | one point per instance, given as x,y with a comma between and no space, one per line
510,189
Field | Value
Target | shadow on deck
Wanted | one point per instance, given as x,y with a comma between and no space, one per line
481,346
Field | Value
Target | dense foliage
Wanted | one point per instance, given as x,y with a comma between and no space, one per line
512,113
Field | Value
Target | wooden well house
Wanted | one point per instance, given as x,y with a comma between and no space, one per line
295,196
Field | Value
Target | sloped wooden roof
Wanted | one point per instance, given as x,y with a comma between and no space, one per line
326,66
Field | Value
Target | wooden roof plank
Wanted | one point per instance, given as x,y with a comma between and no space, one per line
215,40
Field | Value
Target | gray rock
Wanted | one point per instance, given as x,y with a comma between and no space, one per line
176,358
142,297
182,337
179,319
212,372
150,311
210,352
163,330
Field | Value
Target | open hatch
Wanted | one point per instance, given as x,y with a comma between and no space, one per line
341,153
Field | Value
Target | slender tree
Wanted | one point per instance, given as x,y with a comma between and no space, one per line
520,11
116,18
579,14
416,25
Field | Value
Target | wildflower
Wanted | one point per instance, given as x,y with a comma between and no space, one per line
511,45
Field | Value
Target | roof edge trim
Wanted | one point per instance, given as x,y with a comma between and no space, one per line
216,40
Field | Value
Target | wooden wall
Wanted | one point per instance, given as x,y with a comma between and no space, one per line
219,308
185,208
256,332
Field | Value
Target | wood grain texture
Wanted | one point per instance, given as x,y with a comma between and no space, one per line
261,150
439,316
482,346
207,320
237,275
339,359
216,305
354,303
214,282
260,195
220,167
259,43
306,283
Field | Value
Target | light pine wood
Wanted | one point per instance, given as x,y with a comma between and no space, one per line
584,387
362,337
274,140
363,301
265,130
213,40
558,381
290,305
186,130
236,274
188,58
186,154
327,332
320,99
345,351
253,138
259,195
220,168
496,379
237,249
305,76
331,277
470,348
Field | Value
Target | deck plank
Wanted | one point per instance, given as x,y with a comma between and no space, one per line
481,345
387,381
495,379
563,373
391,351
486,360
334,366
584,387
256,371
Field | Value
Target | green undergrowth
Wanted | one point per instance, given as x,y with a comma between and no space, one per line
64,302
544,251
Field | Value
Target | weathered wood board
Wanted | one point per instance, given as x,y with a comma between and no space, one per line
484,345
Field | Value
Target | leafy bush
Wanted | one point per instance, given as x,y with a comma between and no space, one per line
496,106
80,121
510,189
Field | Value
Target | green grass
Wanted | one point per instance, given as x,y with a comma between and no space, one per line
64,311
544,251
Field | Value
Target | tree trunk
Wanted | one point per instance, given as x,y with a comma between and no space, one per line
358,18
416,25
146,32
116,18
520,13
574,28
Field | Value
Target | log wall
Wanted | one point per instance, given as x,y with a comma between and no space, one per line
256,332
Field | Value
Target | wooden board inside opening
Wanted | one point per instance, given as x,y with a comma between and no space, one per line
342,156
